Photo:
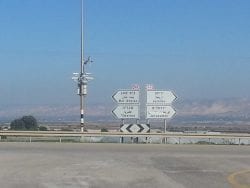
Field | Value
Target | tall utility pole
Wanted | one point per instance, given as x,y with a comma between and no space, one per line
82,78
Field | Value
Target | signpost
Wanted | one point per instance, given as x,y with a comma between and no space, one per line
158,106
128,108
126,111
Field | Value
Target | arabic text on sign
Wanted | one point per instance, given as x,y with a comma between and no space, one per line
128,116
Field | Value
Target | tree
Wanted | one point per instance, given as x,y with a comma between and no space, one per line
30,122
24,123
17,124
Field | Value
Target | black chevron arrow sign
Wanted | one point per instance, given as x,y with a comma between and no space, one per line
135,128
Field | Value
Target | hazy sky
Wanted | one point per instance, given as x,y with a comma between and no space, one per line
197,48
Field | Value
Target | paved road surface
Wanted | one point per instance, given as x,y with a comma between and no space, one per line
55,165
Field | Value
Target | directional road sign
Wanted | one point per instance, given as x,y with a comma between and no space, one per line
135,128
126,111
160,112
160,97
126,97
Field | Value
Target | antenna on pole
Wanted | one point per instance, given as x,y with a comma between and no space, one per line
82,78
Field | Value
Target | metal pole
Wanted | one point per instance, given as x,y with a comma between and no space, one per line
81,74
147,138
165,130
137,138
121,138
82,78
82,50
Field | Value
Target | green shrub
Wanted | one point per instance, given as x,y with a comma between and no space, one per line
104,130
42,128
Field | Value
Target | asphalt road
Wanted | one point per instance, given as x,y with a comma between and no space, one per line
55,165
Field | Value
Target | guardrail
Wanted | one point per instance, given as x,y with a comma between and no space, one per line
166,137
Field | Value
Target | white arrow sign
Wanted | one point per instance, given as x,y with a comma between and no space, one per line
126,112
160,97
160,112
135,128
127,97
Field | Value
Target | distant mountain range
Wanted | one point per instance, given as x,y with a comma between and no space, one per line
187,110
